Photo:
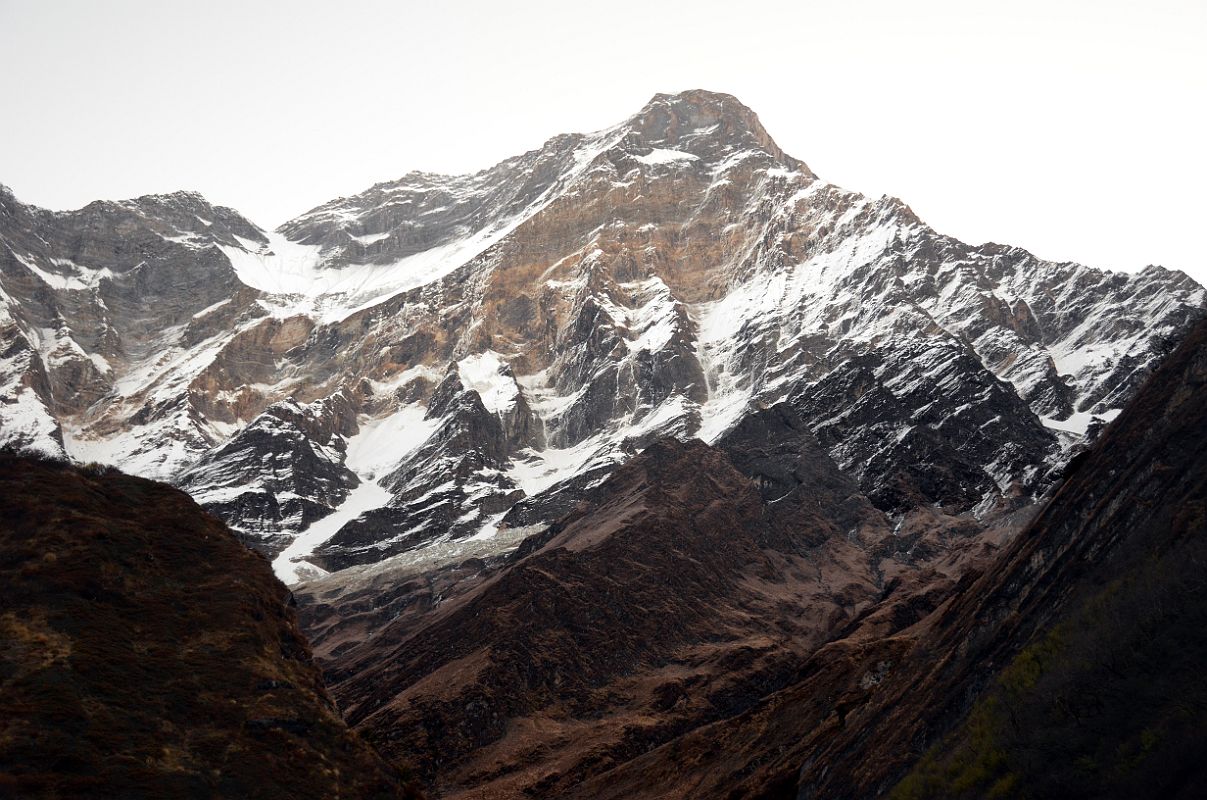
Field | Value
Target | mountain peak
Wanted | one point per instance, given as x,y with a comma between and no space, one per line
700,98
672,118
182,198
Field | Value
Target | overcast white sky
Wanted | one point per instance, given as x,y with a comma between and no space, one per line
1075,129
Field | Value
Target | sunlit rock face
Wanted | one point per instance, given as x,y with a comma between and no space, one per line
449,358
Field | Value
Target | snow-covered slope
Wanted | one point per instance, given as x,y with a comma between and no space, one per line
442,358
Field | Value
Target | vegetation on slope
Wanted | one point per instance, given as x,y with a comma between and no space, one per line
1108,703
147,654
1106,699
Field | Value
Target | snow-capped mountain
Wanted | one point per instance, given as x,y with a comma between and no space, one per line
451,358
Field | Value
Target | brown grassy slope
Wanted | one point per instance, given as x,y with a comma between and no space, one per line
145,653
673,595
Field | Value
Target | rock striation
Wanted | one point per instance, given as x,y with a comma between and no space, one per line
1067,666
441,358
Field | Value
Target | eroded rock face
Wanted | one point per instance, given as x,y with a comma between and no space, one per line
459,466
282,472
120,305
804,490
1080,631
667,276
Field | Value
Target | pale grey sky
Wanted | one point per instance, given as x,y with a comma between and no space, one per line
1074,129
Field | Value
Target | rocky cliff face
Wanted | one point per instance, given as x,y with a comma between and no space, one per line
147,653
448,357
1066,667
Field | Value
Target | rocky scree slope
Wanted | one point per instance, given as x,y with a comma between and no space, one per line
148,654
442,361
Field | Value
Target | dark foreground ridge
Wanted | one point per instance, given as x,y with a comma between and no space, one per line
147,654
1106,699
